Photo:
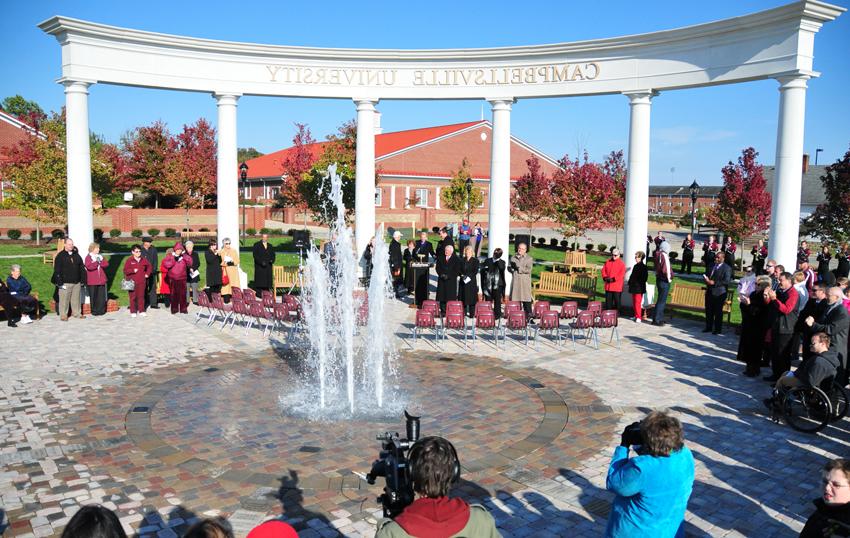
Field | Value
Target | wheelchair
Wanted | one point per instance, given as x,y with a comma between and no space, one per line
810,409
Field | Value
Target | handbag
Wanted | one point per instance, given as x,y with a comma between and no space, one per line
225,280
128,285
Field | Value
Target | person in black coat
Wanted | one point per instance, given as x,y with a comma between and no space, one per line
445,240
368,252
68,273
754,327
832,508
449,268
843,257
717,279
213,260
469,281
637,285
824,257
150,253
396,261
493,281
835,322
263,264
424,248
408,257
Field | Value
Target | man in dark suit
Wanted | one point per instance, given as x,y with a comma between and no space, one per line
150,253
717,279
264,256
815,307
424,248
835,322
445,240
449,268
396,260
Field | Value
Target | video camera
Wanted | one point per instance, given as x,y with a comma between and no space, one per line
392,465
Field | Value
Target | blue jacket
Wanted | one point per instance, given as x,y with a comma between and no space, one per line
652,494
19,285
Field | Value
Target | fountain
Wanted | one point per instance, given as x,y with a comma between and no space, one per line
351,355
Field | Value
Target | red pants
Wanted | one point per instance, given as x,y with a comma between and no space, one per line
137,298
178,296
637,304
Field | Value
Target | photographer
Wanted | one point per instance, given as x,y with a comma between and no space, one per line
652,488
433,469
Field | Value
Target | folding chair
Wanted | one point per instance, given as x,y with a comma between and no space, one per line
608,320
485,319
549,322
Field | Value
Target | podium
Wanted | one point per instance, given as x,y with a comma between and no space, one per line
421,274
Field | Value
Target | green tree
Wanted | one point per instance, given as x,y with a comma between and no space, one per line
245,154
456,197
831,219
24,109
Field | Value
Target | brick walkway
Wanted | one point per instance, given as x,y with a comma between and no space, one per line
166,421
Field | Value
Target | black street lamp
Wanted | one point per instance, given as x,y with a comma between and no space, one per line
243,173
816,155
694,188
468,197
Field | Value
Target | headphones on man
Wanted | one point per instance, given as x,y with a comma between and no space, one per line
414,455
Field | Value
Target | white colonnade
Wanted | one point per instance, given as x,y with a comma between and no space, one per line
227,186
500,176
364,191
637,181
78,155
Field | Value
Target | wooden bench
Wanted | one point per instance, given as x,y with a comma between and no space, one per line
50,255
37,308
576,261
284,277
692,298
567,285
191,236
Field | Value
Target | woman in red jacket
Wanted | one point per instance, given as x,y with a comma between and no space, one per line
613,273
138,270
96,279
177,266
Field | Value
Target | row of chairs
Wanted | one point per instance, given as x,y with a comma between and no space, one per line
249,310
584,323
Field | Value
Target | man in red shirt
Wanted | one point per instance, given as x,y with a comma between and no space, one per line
785,303
613,273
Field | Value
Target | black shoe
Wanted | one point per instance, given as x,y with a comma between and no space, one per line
706,330
718,333
12,323
750,374
771,378
154,307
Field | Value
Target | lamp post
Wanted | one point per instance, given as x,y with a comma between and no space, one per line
694,188
816,155
468,197
243,173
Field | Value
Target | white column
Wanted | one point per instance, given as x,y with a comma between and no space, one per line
364,193
500,176
438,201
227,187
788,178
637,182
392,196
78,154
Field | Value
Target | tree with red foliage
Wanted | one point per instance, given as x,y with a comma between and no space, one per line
296,168
190,167
531,199
147,150
831,219
743,205
584,195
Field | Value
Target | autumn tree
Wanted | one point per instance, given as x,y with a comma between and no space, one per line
582,196
614,168
743,205
456,197
340,149
147,151
296,168
190,169
25,110
531,199
831,219
246,154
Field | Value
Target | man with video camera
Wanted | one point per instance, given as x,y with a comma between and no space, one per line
433,468
652,488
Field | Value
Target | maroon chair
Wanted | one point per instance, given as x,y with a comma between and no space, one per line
539,308
361,317
220,309
450,305
595,307
281,317
515,322
294,313
483,306
485,319
203,303
432,306
512,306
455,319
569,310
268,300
584,324
239,308
236,292
549,322
608,320
258,314
425,320
249,295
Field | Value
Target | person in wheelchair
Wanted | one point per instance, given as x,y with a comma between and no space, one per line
822,365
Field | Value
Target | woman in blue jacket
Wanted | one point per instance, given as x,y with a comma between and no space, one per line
654,486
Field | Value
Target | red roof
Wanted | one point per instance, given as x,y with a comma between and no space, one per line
12,131
271,165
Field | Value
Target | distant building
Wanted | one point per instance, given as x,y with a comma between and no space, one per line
12,131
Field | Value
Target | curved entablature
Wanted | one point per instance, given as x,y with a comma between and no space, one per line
760,45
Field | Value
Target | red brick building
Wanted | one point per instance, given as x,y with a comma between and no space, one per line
12,131
413,167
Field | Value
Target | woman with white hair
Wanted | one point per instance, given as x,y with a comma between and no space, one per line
19,290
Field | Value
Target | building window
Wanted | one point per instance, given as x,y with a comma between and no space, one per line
379,196
274,192
421,197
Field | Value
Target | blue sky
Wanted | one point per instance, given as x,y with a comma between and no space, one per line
694,132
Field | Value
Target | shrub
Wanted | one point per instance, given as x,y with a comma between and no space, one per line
136,233
57,234
435,229
98,235
575,245
588,246
565,244
114,232
251,231
541,241
203,229
553,242
533,239
290,232
33,234
13,234
267,231
170,232
602,247
153,232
